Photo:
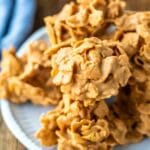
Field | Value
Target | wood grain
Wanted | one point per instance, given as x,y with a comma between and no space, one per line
7,140
44,8
140,5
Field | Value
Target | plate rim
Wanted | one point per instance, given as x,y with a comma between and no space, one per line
6,111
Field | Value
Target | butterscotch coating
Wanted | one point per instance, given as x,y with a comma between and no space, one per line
134,33
90,69
26,78
81,19
72,126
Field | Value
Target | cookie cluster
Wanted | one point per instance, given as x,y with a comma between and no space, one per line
98,52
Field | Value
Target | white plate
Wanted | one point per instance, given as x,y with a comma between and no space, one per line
23,120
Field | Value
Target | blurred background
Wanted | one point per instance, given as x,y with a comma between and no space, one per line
44,8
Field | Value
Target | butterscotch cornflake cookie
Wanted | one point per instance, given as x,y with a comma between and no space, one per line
136,95
98,51
80,125
28,77
81,19
129,117
133,31
90,69
76,126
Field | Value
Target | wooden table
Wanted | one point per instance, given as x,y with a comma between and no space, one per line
7,140
46,7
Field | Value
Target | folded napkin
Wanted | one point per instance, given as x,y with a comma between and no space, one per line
16,21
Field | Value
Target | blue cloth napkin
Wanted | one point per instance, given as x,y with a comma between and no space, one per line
16,21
